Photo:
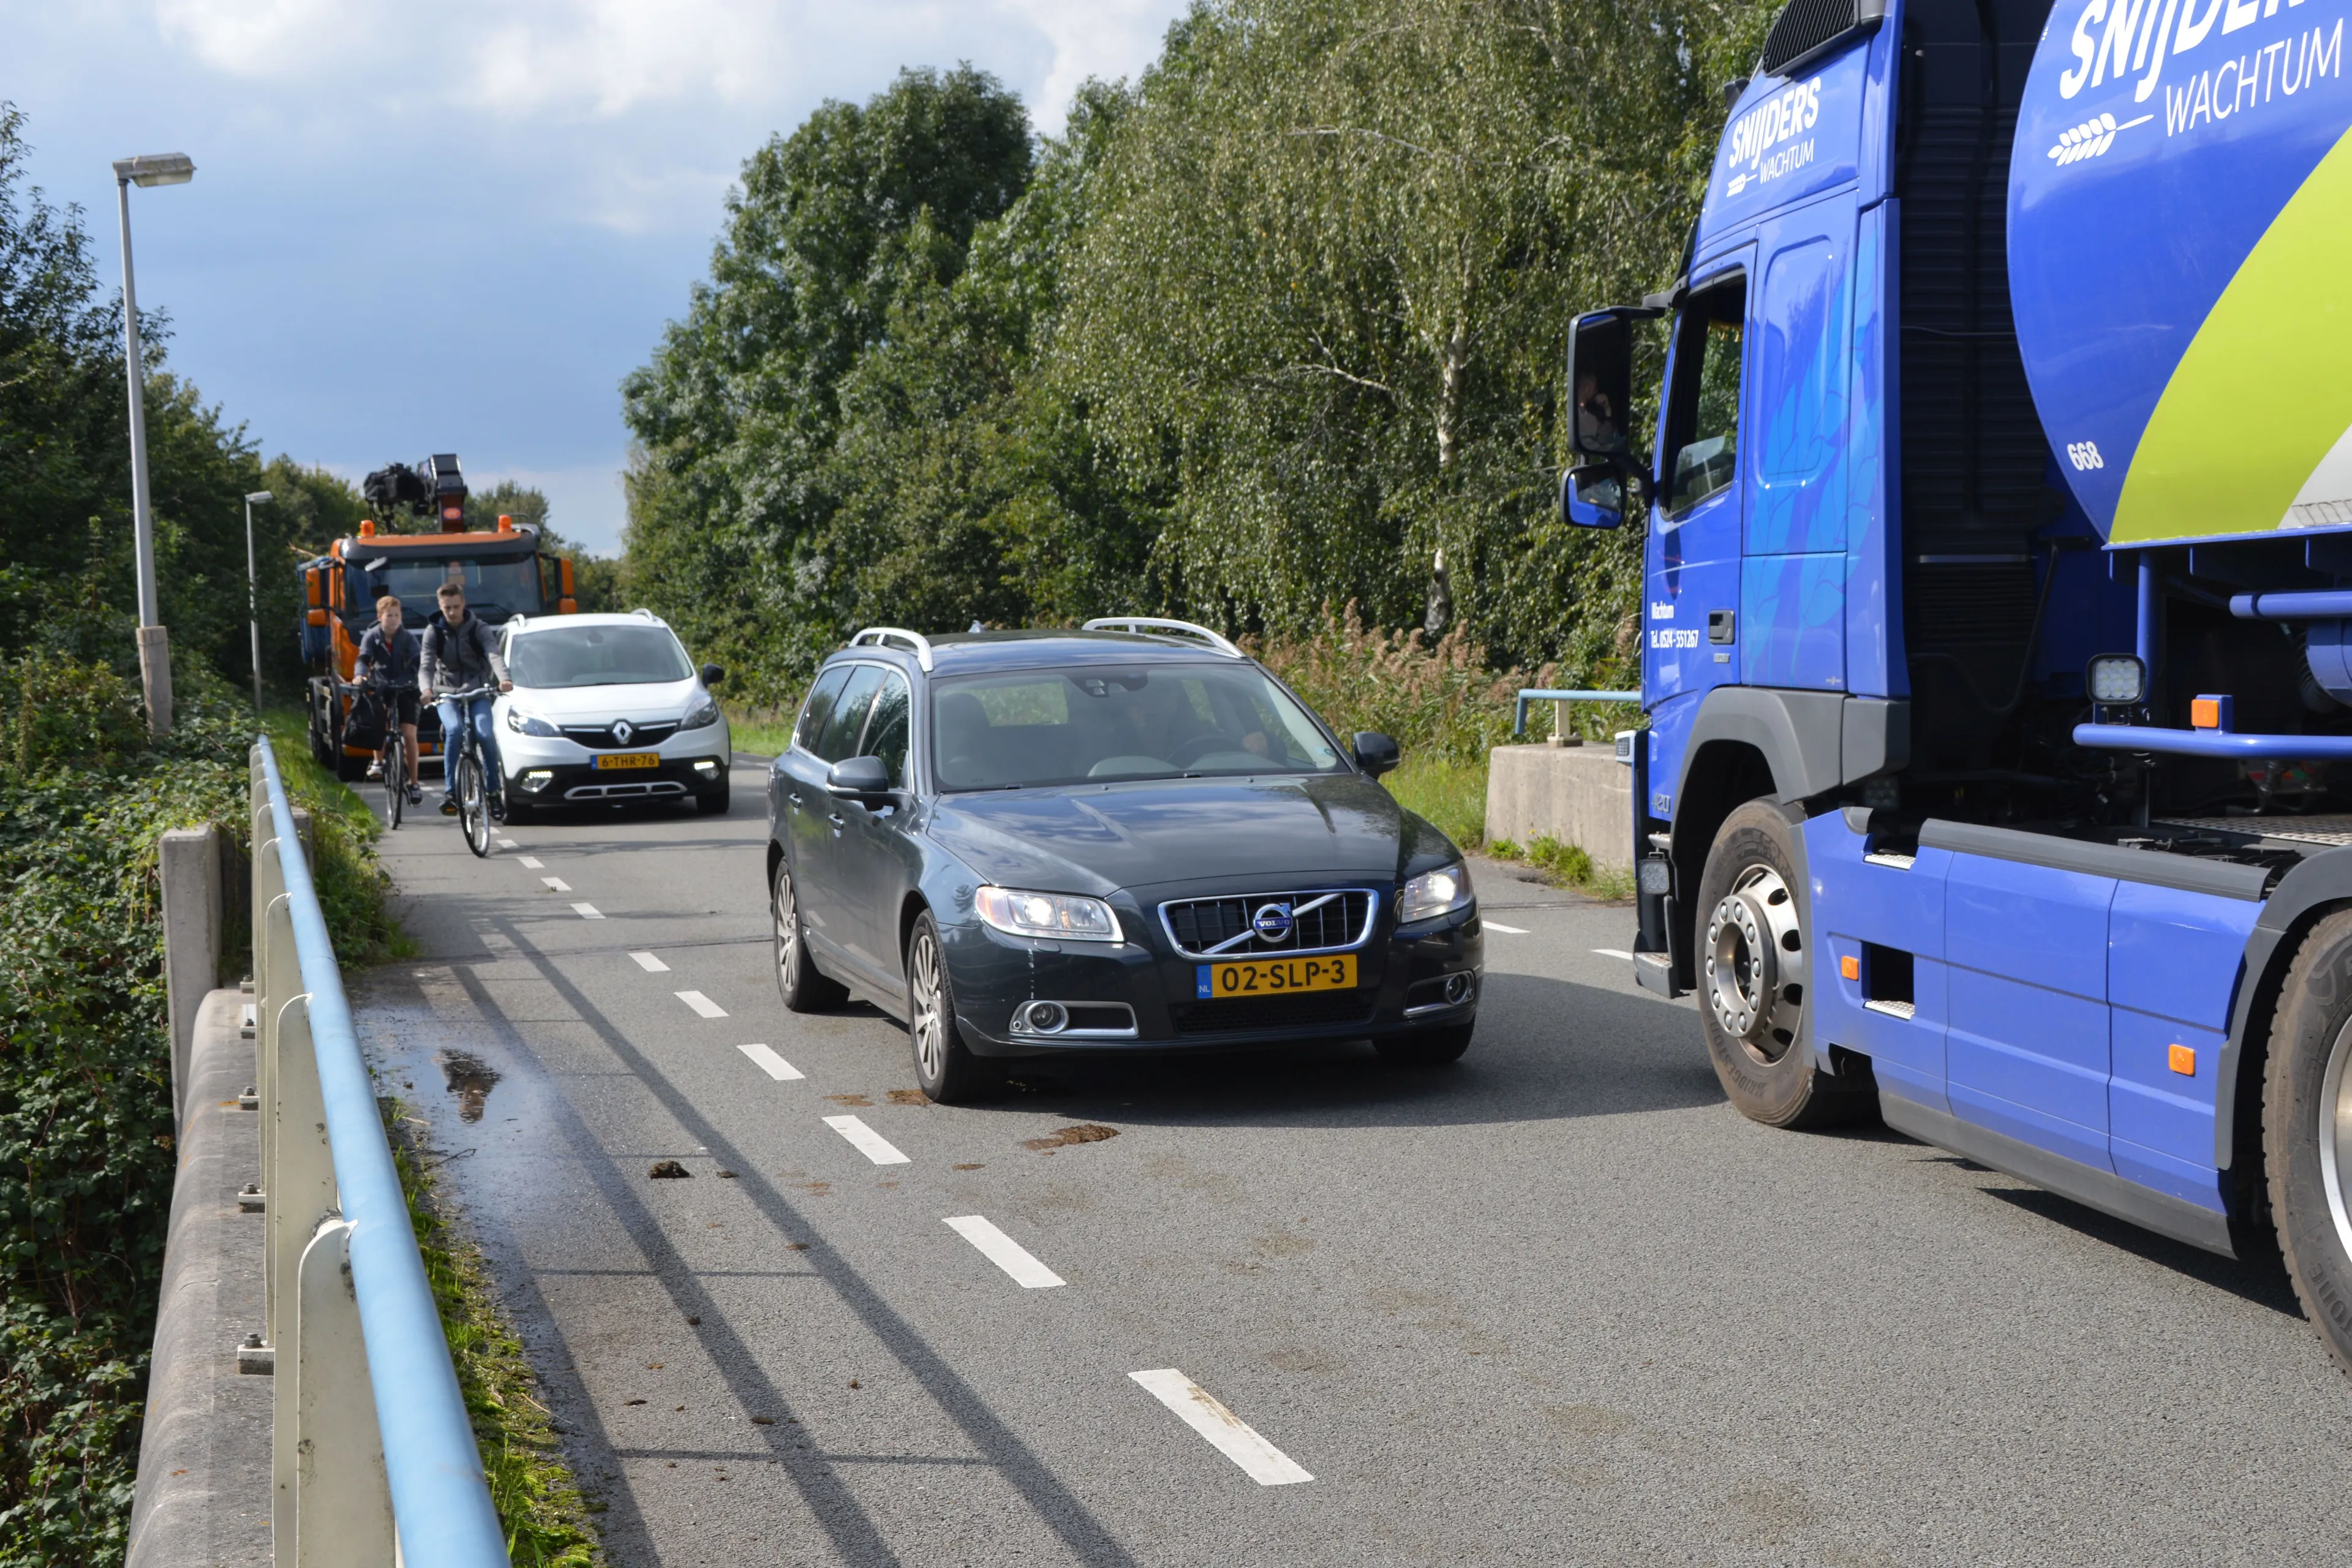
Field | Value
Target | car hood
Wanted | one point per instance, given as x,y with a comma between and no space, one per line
1187,835
659,702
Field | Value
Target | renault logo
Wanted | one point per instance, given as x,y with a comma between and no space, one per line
622,731
1272,922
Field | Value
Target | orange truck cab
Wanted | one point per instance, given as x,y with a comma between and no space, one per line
503,571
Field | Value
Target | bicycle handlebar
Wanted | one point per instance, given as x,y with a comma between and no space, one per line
465,696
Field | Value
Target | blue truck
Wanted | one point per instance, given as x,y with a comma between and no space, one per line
1996,773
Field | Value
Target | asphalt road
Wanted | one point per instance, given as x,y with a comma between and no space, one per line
1557,1304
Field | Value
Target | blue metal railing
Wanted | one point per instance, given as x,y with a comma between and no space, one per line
440,1503
1539,694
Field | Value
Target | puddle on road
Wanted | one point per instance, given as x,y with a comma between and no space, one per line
470,1079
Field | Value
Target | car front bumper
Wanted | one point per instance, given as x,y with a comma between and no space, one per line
558,771
1402,989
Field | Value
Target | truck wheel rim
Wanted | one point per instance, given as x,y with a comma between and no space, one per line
2336,1134
929,1027
1755,963
788,931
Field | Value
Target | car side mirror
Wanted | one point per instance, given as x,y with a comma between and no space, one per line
859,779
1375,752
712,674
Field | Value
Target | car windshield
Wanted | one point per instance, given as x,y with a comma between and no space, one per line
597,655
1120,722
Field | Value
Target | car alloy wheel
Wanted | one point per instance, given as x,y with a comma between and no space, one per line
930,1020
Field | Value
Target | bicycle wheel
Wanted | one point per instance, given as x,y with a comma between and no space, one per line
396,779
473,811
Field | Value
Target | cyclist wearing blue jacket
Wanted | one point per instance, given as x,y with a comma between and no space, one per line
461,653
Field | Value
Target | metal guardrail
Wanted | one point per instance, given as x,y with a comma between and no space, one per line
1557,699
355,1479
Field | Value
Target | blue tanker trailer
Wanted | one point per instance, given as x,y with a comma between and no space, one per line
1998,666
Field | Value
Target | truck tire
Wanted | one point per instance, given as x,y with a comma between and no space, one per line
1754,963
321,752
2308,1129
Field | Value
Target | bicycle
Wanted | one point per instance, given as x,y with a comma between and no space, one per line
476,801
394,756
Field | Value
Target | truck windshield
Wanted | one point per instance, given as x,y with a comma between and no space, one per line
497,585
1065,726
1703,412
597,655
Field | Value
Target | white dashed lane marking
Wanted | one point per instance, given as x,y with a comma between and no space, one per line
588,911
775,1066
867,1141
649,964
1614,953
1004,1252
557,884
702,1005
1506,930
508,844
1226,1432
530,863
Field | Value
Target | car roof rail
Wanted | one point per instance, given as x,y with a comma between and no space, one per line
917,641
645,615
1150,623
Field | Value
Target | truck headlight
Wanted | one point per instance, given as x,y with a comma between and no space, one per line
523,723
702,717
1063,917
1437,892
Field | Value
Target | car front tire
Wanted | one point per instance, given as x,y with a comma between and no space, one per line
1429,1048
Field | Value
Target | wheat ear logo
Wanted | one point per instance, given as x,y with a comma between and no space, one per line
2091,138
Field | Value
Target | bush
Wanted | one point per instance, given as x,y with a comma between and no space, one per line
1440,701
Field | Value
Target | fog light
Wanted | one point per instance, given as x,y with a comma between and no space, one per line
1041,1017
1459,988
536,780
707,766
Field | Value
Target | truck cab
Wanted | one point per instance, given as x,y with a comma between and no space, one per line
1997,564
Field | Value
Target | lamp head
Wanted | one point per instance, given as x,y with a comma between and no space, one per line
259,497
156,169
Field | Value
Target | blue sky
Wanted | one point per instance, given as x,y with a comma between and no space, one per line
444,224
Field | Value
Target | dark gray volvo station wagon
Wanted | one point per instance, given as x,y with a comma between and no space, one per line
1129,837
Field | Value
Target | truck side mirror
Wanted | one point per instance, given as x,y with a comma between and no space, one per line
1600,383
1599,495
1375,754
712,674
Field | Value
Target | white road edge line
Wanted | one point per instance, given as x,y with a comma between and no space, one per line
557,883
1506,930
1004,1252
867,1141
530,862
1614,953
649,964
702,1005
1226,1432
588,911
775,1066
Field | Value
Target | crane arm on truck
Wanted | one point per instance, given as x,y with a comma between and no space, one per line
1997,657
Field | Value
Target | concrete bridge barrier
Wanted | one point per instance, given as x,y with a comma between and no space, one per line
1573,795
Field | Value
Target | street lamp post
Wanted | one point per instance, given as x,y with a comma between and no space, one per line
253,595
154,646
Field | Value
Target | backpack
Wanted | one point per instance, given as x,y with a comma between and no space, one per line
364,725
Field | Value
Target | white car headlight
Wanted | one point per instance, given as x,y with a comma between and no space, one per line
1064,917
702,717
523,723
1437,892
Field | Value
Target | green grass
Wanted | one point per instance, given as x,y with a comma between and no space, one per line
1567,866
761,733
1451,794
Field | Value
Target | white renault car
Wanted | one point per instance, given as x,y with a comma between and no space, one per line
608,708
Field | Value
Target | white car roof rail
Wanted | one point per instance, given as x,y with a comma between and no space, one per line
917,641
1147,623
645,615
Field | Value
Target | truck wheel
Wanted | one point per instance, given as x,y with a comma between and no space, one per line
1755,963
2308,1129
321,751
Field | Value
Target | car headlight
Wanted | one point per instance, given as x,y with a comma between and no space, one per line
523,723
1063,917
1437,892
703,717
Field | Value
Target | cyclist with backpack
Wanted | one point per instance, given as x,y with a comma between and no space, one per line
388,657
461,653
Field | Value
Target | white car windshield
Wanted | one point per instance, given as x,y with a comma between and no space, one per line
1120,722
597,655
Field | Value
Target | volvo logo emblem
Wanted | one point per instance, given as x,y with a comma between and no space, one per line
1272,922
623,729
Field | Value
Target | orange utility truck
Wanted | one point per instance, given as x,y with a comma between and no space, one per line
503,571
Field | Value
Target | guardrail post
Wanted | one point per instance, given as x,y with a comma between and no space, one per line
342,1502
301,1188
